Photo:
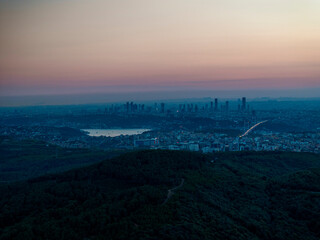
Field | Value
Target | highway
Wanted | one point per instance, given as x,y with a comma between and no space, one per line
253,127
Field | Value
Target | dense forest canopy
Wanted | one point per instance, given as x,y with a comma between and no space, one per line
170,195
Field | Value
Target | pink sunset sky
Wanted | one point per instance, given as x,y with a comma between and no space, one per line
83,46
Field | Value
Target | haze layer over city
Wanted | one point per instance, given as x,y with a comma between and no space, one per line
171,119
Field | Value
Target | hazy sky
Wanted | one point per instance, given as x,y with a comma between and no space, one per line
61,46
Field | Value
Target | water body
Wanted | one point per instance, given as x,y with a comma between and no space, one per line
114,132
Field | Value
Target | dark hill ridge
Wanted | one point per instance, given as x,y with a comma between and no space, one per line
24,159
221,196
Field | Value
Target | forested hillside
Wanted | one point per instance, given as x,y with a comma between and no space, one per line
170,195
24,159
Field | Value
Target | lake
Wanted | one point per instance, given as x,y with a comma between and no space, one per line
114,132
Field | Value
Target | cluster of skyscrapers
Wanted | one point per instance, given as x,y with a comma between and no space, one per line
212,106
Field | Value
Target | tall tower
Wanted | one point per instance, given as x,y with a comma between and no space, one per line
227,106
244,103
216,104
131,107
127,106
162,107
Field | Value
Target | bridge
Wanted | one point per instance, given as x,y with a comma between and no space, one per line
252,128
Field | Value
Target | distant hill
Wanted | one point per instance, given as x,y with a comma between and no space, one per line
170,195
24,159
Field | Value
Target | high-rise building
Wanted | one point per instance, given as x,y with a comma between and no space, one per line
127,107
183,107
162,107
131,107
244,104
211,105
227,106
216,104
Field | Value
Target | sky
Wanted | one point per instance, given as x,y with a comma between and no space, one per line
87,46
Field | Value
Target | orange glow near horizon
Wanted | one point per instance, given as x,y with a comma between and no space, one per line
206,43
